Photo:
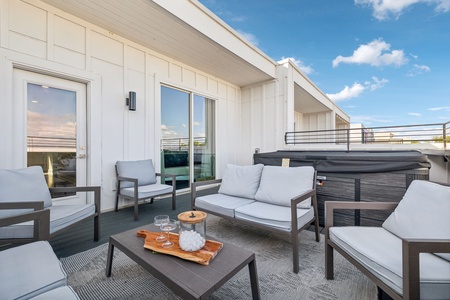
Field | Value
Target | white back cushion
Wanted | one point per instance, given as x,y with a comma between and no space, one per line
424,212
241,181
23,185
279,185
143,170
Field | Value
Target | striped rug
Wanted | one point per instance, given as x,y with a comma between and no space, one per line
86,271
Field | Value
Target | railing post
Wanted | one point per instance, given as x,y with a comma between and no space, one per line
348,139
444,135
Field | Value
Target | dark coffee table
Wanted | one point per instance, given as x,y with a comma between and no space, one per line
187,279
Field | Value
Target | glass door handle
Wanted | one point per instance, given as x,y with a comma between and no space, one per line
82,156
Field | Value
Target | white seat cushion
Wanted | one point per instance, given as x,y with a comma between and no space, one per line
29,270
241,181
273,215
61,216
422,213
279,185
381,253
148,191
222,204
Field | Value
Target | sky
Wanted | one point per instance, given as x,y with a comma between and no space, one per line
383,62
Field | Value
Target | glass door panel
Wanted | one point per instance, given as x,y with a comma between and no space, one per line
175,135
204,139
188,136
51,133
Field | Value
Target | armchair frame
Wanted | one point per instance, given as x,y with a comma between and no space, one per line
136,198
411,248
41,216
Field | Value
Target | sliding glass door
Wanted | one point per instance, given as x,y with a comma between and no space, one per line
188,136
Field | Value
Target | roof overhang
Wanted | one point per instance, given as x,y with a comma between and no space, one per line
183,30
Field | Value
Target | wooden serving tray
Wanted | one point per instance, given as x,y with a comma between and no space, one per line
203,256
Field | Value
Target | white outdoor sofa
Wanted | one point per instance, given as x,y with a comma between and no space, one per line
279,199
409,256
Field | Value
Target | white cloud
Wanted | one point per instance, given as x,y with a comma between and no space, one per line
249,37
238,19
414,114
300,64
444,108
377,83
357,89
197,123
367,120
348,92
384,9
375,54
184,125
417,69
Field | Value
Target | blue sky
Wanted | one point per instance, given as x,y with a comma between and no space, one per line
384,62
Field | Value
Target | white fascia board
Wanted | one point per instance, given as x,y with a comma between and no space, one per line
303,81
199,17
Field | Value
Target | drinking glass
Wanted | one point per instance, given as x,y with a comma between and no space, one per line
168,226
158,221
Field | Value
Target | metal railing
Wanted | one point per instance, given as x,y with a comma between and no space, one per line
437,134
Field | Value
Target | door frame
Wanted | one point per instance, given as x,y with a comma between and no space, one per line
10,60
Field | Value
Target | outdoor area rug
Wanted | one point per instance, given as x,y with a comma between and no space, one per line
86,270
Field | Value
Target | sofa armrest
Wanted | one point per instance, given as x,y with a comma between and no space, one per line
40,216
198,184
411,248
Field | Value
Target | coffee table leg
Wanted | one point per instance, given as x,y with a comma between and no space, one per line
109,259
254,279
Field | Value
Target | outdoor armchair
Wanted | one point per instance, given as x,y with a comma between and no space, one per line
409,256
136,180
27,212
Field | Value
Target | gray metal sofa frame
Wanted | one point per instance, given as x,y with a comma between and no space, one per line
41,216
411,248
293,235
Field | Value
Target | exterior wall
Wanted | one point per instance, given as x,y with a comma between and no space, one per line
38,37
262,120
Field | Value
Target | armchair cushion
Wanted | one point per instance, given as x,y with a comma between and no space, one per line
241,181
279,185
148,191
381,252
143,170
14,189
29,270
422,213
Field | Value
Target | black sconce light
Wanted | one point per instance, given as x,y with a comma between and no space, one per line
131,101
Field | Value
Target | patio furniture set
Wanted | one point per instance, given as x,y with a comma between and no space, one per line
408,257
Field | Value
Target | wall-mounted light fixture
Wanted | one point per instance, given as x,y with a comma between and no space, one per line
131,101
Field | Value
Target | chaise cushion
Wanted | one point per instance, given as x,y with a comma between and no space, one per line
380,252
279,185
422,213
61,216
23,185
143,170
273,215
221,204
241,181
148,191
29,270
